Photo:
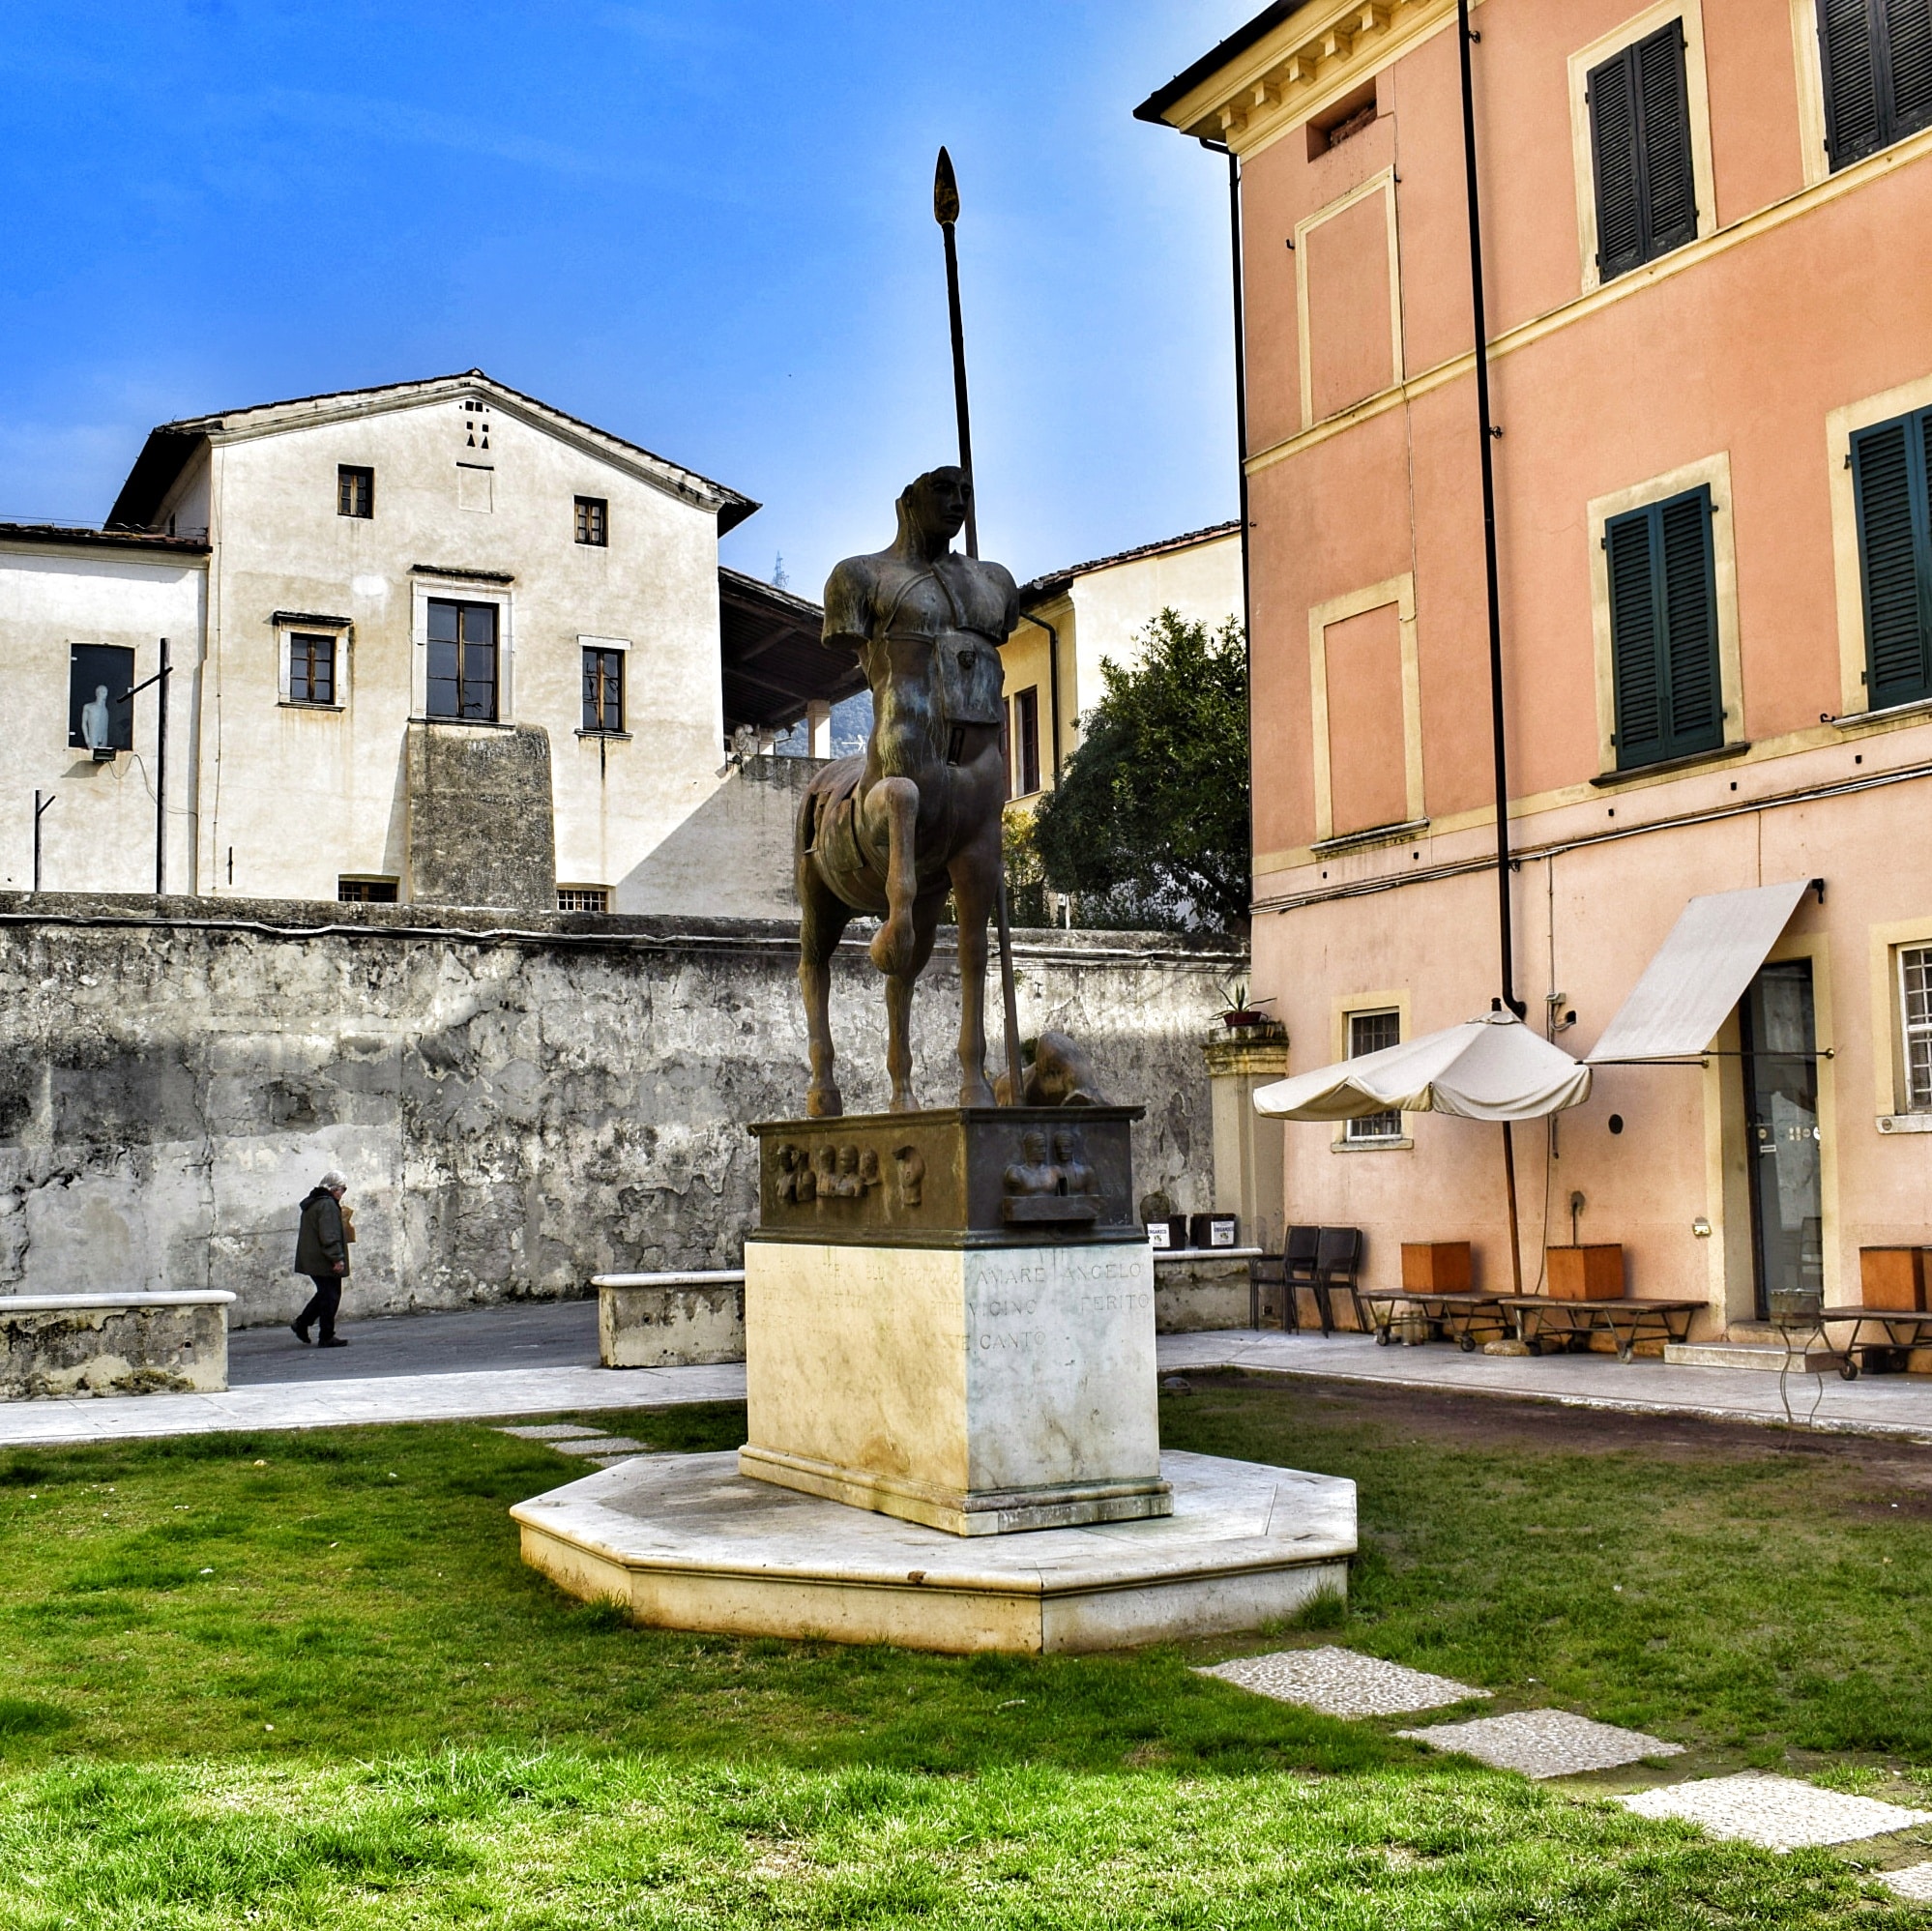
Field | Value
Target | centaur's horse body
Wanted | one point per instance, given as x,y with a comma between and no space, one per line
918,815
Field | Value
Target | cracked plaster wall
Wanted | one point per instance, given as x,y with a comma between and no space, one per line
514,1114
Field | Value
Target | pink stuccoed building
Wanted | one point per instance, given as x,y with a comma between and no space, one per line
1704,228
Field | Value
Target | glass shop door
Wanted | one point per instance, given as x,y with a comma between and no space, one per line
1775,1022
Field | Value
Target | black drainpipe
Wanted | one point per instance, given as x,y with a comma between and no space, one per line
1465,37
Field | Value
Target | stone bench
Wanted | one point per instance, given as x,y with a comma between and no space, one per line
692,1318
53,1344
696,1318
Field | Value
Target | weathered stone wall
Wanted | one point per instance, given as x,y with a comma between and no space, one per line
519,1104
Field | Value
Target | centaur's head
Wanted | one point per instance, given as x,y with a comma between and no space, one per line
933,505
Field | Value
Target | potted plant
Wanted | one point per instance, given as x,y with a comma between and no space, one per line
1239,1009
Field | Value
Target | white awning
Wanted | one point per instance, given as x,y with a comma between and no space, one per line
1698,973
1490,1069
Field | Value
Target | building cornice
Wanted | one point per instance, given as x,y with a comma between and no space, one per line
1270,86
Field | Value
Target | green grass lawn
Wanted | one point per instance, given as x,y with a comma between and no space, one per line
302,1679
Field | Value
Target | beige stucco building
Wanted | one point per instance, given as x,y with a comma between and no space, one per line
1073,619
432,642
1712,370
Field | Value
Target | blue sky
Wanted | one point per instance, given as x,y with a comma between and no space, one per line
706,226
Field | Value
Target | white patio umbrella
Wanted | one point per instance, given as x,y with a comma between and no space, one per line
1488,1069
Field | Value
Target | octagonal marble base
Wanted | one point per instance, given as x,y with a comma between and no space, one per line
686,1542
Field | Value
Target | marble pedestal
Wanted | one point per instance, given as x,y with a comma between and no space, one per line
685,1543
982,1391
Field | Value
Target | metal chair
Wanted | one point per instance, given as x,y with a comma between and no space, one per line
1295,1267
1339,1265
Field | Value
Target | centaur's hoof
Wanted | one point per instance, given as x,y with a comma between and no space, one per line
974,1093
892,947
823,1103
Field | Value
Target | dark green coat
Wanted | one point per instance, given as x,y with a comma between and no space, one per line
320,1245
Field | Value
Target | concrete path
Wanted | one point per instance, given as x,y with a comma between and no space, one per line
540,1358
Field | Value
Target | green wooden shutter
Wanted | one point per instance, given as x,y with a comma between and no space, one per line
1851,79
1640,145
1888,471
1664,632
1636,671
1906,52
1670,185
1612,93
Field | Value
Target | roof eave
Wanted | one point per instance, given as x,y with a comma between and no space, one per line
1159,106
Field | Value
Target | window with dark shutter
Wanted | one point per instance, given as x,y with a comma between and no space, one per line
1877,60
1640,141
1664,630
1888,480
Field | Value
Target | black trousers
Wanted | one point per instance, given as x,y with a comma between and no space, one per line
323,1303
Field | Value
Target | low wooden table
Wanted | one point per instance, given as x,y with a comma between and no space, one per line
1626,1320
1903,1327
1459,1315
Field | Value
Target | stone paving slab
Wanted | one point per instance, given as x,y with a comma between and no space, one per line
348,1404
600,1445
1882,1405
554,1431
1545,1742
1341,1683
1778,1813
1913,1882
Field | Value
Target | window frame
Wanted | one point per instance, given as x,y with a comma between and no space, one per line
300,647
376,890
1697,100
1357,1133
462,605
349,476
1916,428
602,893
428,587
602,649
120,711
1024,742
1918,1097
590,518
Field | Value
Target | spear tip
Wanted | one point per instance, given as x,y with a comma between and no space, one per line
944,191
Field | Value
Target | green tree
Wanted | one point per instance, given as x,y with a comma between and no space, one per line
1149,823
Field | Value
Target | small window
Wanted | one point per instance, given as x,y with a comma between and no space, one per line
1372,1033
1877,57
311,668
592,521
1915,1012
583,898
365,890
1889,464
1664,630
355,492
1640,142
604,690
1026,741
463,660
100,715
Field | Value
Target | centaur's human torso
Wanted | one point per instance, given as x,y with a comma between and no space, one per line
929,634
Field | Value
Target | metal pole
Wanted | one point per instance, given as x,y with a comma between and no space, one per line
161,774
1464,36
39,809
946,212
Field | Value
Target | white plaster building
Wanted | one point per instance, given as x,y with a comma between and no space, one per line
1073,618
434,640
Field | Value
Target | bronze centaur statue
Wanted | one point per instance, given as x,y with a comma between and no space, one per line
920,814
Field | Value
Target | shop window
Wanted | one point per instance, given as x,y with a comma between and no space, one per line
1640,144
463,660
1664,630
1372,1033
99,716
1877,58
1888,481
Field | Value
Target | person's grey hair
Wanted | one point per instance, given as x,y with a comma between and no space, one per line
333,1180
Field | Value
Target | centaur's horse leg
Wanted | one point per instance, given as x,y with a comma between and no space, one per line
975,874
822,922
900,997
891,814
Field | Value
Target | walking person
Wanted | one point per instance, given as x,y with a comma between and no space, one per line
322,1254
